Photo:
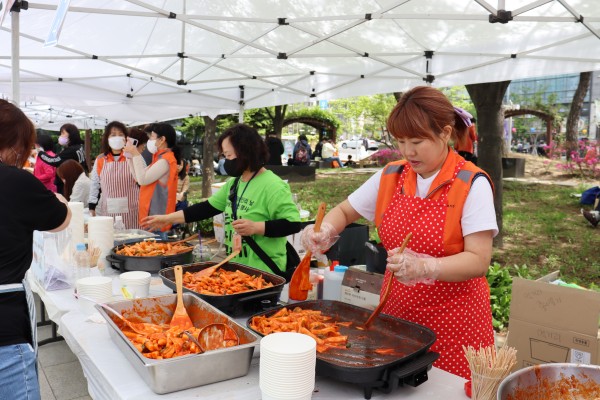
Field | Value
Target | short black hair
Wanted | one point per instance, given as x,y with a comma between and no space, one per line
302,137
250,148
167,131
46,142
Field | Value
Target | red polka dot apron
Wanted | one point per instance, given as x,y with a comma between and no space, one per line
458,312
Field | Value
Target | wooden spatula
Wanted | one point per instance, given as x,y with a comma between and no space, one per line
300,282
180,319
388,288
210,270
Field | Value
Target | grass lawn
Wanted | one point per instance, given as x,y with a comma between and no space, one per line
543,228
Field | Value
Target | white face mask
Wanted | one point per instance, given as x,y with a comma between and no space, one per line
116,142
151,146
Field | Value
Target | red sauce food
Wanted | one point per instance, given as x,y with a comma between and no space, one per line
568,387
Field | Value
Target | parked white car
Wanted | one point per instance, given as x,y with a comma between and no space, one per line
356,143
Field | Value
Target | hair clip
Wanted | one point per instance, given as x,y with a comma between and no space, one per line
464,115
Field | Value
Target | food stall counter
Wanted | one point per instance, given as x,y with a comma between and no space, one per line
110,375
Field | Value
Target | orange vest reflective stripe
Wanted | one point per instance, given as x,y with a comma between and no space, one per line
156,198
457,195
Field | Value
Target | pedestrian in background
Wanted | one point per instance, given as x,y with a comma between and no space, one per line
276,149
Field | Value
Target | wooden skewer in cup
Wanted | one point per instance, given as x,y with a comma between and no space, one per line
388,288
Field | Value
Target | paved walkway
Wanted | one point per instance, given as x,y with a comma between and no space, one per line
60,374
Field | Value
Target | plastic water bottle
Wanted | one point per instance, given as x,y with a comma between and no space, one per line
119,226
82,262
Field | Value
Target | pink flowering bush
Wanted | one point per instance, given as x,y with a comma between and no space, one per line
385,156
584,161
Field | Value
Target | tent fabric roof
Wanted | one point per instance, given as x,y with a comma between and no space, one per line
147,60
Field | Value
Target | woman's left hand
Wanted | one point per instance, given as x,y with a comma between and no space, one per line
411,268
245,227
155,223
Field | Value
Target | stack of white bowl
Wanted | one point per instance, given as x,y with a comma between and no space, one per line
287,366
137,283
98,289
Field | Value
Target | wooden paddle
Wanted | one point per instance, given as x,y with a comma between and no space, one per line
388,288
210,270
300,282
180,319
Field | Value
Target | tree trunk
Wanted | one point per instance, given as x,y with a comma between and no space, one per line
208,172
278,119
575,111
487,99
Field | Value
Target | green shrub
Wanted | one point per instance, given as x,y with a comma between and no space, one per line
500,282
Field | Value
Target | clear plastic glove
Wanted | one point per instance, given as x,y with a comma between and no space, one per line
318,242
411,268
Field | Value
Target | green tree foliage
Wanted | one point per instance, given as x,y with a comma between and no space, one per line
364,115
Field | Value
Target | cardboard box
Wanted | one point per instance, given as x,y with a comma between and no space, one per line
551,323
361,288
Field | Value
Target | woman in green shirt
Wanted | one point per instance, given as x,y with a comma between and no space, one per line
256,203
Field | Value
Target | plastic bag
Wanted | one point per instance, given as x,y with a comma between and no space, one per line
51,263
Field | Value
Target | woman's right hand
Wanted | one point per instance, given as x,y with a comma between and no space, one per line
155,223
319,242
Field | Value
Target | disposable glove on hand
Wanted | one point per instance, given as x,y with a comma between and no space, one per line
318,242
411,268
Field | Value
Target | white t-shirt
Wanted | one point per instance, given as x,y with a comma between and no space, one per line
478,215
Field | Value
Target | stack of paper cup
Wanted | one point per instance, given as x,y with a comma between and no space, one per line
287,366
97,289
137,283
100,234
76,225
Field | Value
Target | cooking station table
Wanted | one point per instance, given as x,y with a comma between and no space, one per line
110,376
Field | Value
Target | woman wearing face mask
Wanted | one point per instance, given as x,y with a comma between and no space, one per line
73,149
257,203
158,181
114,190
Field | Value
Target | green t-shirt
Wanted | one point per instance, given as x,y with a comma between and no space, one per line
265,197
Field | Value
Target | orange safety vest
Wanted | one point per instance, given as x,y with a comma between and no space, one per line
453,238
157,198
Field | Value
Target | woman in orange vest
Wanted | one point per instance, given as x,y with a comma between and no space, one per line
447,204
114,190
158,181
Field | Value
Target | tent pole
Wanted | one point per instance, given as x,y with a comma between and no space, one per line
15,54
241,114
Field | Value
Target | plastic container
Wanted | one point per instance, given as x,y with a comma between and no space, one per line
332,284
119,226
313,294
81,261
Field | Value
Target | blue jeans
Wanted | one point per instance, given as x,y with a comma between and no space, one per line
18,375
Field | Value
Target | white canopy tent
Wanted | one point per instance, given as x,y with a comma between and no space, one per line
148,60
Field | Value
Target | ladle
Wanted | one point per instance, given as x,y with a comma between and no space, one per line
216,336
115,312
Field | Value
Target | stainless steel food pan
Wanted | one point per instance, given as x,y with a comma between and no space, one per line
165,376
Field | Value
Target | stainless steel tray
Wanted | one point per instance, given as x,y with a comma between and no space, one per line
165,376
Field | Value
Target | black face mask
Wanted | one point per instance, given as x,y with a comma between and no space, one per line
233,167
